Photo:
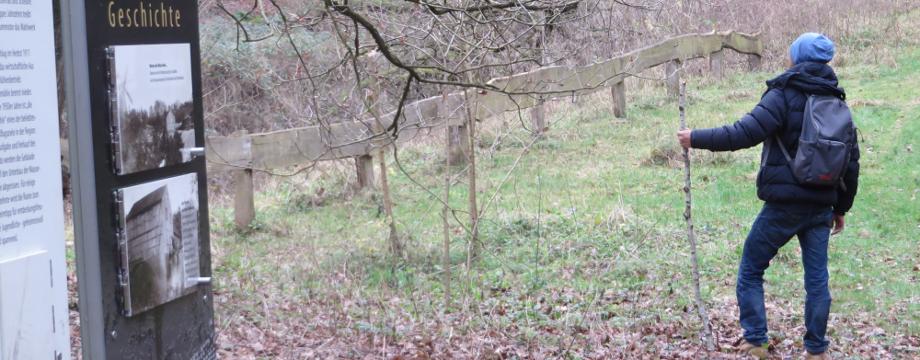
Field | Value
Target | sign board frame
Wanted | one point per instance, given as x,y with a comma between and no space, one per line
182,327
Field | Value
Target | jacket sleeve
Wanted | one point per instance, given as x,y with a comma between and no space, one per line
755,127
851,181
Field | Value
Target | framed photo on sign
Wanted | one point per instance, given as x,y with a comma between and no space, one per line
152,106
158,241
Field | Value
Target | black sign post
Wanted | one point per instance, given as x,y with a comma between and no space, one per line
139,182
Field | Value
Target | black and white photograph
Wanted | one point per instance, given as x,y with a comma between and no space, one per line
160,248
152,106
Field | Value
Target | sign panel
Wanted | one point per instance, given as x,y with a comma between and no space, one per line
33,283
139,182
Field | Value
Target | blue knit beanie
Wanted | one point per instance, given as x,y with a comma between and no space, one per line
811,47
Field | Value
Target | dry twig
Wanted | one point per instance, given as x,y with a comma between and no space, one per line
691,235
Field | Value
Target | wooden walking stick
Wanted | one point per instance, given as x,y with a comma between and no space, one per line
691,235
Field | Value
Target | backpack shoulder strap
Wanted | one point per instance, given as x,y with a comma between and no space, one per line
783,148
806,114
776,137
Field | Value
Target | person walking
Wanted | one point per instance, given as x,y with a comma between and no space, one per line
808,209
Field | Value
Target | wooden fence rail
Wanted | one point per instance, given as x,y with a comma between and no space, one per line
244,153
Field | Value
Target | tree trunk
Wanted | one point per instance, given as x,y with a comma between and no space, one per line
473,246
395,245
396,248
445,211
691,235
538,112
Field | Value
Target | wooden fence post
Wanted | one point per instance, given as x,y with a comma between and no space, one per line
672,77
754,62
457,143
538,118
364,166
618,97
244,208
716,60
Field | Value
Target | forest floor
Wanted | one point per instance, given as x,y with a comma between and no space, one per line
585,251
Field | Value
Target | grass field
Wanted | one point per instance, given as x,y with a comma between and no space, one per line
585,251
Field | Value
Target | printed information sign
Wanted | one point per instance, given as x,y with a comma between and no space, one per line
33,270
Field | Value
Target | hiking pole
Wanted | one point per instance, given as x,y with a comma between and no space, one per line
688,216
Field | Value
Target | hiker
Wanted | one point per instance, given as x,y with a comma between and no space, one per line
793,205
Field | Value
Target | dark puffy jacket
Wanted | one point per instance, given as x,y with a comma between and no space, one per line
780,111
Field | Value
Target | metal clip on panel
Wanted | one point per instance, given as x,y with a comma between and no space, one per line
196,151
200,280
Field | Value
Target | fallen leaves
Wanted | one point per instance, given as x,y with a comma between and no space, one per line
390,333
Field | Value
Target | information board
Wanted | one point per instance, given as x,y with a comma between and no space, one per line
139,181
33,270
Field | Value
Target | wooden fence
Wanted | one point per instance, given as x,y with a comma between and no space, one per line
245,153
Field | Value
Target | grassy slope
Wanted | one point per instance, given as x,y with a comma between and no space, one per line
584,237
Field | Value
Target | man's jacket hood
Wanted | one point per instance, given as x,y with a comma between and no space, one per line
810,78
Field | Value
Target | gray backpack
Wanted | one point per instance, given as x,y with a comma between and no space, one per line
828,135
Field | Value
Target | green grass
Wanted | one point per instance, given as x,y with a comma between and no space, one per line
587,232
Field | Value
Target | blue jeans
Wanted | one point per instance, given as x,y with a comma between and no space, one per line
774,227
